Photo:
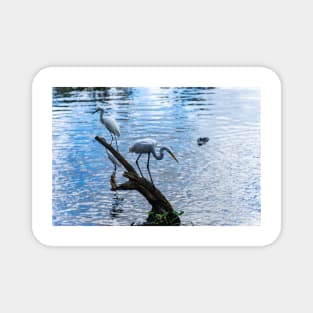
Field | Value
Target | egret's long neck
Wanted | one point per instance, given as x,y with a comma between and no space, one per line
161,153
101,115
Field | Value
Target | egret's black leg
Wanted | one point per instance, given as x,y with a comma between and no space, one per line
148,163
138,164
111,139
114,169
116,143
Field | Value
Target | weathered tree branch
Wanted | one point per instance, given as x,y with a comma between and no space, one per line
160,205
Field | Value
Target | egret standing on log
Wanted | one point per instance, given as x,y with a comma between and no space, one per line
110,124
148,146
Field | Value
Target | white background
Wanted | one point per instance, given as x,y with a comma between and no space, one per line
35,278
270,102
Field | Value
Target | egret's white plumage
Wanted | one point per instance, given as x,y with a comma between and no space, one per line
145,145
148,146
110,124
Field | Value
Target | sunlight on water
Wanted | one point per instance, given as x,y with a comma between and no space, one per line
214,184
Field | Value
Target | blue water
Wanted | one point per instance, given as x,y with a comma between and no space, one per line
214,184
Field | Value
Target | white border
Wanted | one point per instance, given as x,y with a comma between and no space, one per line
264,78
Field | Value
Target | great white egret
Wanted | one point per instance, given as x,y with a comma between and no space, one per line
110,124
147,146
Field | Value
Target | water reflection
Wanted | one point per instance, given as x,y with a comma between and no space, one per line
117,207
214,184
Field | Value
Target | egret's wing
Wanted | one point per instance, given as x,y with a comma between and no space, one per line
112,125
147,141
144,145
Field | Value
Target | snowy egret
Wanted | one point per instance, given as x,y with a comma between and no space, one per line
147,146
110,124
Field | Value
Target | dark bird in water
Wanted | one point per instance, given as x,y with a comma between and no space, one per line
202,140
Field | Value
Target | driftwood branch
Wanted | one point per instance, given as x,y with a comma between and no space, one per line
160,205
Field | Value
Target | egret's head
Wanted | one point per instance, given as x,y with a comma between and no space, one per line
97,110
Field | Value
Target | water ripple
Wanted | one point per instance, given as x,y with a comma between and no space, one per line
214,184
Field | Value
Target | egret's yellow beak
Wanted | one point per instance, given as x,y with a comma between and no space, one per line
173,156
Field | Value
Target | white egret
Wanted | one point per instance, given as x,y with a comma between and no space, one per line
110,124
147,146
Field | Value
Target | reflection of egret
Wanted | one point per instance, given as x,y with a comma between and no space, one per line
148,146
114,160
110,124
116,164
116,206
116,199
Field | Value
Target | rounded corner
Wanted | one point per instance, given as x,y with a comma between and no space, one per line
38,239
273,238
272,73
41,73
